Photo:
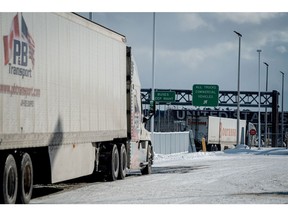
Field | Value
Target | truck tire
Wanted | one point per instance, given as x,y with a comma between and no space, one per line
214,148
9,180
114,164
122,162
148,168
25,173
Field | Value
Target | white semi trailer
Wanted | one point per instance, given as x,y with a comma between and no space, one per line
70,103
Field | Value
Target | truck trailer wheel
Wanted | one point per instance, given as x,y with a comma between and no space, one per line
114,164
123,162
8,181
25,187
148,168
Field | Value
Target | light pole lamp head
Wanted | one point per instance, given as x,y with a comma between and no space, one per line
259,50
266,64
282,73
240,35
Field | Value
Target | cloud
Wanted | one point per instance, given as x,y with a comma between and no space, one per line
267,40
242,18
281,36
281,49
192,21
194,57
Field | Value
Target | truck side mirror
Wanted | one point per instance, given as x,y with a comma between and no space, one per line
145,119
152,110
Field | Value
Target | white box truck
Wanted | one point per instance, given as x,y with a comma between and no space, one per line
70,103
222,132
219,133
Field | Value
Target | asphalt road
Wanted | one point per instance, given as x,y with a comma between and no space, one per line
217,178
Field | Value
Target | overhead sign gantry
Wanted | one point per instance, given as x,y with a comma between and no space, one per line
247,99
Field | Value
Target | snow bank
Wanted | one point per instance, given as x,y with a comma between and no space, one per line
185,156
240,149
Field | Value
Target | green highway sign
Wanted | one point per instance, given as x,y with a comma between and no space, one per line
205,95
164,96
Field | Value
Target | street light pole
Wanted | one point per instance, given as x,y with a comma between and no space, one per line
259,102
153,78
282,113
238,89
266,129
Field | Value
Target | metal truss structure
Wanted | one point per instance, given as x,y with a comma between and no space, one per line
227,99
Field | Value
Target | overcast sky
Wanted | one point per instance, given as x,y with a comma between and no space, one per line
201,48
196,47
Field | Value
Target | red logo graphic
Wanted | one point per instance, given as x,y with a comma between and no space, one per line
18,47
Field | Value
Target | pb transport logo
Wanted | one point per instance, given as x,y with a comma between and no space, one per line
19,48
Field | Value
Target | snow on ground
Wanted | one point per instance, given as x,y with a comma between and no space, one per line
257,176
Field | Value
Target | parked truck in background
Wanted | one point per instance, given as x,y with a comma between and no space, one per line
222,132
70,103
219,133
